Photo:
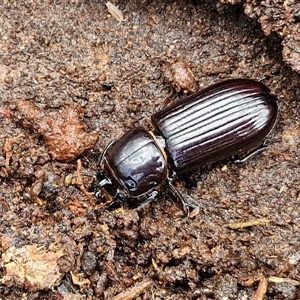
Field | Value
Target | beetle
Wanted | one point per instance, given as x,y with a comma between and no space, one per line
227,119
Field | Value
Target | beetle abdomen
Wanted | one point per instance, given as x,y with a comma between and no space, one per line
220,121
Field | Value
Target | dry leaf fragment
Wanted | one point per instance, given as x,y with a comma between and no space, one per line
114,11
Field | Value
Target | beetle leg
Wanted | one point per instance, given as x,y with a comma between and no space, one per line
187,201
260,149
118,199
100,185
152,196
190,201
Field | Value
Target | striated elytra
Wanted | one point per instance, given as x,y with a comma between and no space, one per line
228,118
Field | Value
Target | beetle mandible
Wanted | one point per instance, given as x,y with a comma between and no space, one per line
226,119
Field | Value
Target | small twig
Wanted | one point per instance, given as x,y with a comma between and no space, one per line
80,184
134,291
250,223
275,279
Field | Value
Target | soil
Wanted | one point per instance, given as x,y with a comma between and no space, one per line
73,77
281,17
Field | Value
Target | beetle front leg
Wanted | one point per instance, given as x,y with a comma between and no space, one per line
118,199
152,196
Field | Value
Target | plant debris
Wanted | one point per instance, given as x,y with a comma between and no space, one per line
255,222
134,291
114,11
261,290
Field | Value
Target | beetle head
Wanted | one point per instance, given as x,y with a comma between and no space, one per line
105,189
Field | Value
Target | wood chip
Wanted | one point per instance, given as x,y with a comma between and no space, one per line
250,223
114,11
31,267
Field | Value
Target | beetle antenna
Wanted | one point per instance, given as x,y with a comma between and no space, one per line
87,174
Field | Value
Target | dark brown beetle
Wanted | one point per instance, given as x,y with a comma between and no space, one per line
226,119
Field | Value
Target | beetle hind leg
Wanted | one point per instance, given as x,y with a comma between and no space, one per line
257,150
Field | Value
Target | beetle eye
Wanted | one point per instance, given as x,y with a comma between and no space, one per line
120,196
100,175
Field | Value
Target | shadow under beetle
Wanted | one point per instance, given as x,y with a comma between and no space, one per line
226,119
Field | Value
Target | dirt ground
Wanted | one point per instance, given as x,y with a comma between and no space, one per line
72,78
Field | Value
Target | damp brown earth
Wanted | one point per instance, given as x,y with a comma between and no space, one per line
76,74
